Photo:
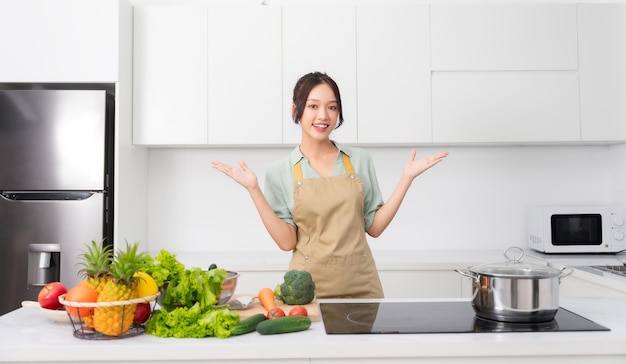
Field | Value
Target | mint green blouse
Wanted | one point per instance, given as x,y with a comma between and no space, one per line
279,181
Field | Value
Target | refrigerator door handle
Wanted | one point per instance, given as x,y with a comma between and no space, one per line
44,195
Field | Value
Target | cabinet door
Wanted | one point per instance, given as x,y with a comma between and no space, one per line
576,285
393,70
245,75
602,44
320,38
505,106
59,41
170,73
504,36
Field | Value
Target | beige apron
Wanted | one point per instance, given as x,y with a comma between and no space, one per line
331,243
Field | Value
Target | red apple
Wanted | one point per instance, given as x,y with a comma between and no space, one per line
142,313
49,295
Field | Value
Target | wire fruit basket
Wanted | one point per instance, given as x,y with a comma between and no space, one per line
82,316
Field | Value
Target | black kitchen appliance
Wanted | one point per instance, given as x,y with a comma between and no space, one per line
433,317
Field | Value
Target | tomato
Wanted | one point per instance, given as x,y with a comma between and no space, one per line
298,311
80,293
49,295
142,313
275,312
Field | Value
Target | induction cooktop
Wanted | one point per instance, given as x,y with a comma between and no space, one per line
434,317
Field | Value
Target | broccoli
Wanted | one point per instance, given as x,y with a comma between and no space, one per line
298,288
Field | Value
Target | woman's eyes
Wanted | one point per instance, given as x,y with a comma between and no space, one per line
332,107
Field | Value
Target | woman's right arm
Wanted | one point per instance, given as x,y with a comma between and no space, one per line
284,234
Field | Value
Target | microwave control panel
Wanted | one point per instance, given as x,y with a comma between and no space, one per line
617,224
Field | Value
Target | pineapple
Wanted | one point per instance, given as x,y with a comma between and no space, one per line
96,260
119,286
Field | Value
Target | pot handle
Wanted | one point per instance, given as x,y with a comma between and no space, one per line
565,271
467,273
520,254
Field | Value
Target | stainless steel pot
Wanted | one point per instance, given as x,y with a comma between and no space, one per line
514,291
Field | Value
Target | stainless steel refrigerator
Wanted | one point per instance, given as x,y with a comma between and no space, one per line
56,164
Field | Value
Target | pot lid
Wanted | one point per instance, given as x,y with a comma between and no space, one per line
513,267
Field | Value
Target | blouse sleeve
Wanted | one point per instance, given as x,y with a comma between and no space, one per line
372,195
277,191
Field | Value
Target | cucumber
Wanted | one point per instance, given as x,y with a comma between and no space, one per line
283,325
248,324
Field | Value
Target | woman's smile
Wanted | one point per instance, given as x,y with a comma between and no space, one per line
320,127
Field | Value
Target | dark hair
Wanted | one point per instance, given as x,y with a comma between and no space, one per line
304,86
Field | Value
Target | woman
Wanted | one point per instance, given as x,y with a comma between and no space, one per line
321,200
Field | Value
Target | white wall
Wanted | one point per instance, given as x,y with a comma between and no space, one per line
476,198
619,173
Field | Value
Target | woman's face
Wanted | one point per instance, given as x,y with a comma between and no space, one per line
320,114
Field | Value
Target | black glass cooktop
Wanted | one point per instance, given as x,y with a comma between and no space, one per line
434,317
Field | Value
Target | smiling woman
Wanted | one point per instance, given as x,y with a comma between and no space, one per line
321,200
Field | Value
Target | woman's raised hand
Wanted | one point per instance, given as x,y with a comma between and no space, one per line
414,168
243,175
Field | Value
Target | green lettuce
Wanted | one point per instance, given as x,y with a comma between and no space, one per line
188,303
192,322
194,286
164,267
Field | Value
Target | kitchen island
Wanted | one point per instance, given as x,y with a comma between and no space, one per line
27,335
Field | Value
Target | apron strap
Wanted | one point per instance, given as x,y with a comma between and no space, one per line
347,164
297,172
297,168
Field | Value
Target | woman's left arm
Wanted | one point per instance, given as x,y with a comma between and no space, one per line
412,169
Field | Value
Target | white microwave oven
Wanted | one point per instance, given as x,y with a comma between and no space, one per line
577,229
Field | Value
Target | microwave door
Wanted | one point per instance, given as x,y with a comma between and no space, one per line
576,229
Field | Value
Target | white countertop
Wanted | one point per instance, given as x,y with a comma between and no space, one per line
27,335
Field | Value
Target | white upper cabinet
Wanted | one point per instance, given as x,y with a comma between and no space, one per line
602,43
320,38
505,73
207,75
502,107
245,75
409,72
504,37
170,75
393,69
59,41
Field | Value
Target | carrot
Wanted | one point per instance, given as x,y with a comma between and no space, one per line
266,297
229,286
